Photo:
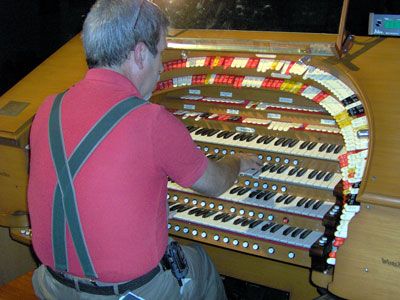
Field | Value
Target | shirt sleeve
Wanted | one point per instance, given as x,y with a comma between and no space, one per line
175,151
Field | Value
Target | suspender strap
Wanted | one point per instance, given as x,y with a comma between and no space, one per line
64,201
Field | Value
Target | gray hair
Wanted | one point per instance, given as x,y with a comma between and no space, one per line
111,30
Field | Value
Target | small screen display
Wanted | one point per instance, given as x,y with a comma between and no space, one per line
392,24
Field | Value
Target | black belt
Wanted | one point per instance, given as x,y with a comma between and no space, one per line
92,288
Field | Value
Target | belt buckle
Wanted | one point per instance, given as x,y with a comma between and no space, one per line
93,282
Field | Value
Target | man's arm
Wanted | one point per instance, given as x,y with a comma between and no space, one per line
220,176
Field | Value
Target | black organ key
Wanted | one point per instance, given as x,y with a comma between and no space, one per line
214,132
229,134
192,128
286,142
254,193
184,208
194,210
238,221
288,230
296,232
293,143
305,234
312,174
200,212
275,228
243,191
331,148
328,176
238,136
301,172
312,146
244,137
228,218
200,131
222,134
274,168
170,203
320,175
338,149
209,213
309,203
260,195
269,195
317,205
281,198
207,132
266,167
323,147
293,171
269,140
279,141
246,222
256,223
252,137
235,190
301,202
176,207
282,169
304,144
267,226
220,216
262,139
290,199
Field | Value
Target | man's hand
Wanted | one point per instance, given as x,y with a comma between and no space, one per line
249,161
220,175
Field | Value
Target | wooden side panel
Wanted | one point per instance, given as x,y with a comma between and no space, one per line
373,64
368,263
13,182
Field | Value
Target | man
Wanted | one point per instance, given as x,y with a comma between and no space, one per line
115,248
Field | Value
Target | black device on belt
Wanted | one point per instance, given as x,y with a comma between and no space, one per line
175,260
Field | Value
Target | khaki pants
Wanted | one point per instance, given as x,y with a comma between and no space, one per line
201,283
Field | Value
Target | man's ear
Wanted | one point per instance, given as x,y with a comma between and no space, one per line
139,54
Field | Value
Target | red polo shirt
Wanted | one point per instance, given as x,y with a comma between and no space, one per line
121,189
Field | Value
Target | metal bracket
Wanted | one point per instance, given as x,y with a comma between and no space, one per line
345,40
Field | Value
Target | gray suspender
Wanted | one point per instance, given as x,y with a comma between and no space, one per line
64,200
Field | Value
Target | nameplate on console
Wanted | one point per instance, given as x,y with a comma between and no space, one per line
13,108
189,106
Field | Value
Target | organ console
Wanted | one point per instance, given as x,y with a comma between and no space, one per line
323,211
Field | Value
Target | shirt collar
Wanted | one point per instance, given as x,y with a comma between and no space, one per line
113,78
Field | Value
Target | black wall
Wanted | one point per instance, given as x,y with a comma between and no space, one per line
31,30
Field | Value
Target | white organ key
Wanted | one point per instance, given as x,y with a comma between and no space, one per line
244,62
235,62
285,66
279,65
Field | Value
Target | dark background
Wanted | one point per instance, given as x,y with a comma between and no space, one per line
31,30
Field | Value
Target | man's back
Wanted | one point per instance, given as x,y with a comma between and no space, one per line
121,188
